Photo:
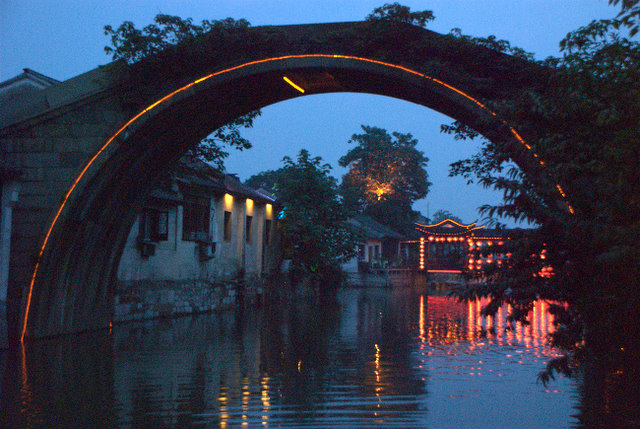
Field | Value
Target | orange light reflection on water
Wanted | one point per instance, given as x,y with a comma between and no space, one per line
454,322
421,321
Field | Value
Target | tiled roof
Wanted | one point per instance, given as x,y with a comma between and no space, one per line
372,229
450,228
235,187
192,172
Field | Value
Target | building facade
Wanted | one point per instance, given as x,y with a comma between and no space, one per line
202,241
18,96
382,257
452,247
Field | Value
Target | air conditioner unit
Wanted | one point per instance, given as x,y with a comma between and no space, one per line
147,248
207,250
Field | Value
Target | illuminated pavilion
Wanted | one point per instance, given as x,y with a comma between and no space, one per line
452,247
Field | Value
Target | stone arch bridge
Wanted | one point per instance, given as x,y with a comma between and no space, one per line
89,149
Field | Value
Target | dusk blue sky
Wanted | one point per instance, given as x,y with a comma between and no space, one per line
64,38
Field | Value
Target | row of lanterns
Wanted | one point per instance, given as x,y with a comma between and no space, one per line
478,263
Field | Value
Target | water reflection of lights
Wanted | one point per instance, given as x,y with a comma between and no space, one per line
224,414
466,323
266,400
377,371
421,321
246,394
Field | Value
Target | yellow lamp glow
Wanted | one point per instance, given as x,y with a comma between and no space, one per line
228,202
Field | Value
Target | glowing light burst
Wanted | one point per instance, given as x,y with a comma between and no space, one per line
196,82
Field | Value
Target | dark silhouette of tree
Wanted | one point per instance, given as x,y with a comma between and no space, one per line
316,235
132,45
386,176
400,14
586,250
441,215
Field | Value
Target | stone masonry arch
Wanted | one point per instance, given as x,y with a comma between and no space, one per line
93,152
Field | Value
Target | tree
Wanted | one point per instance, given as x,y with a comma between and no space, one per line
629,15
265,180
133,45
398,13
316,235
585,124
386,175
441,215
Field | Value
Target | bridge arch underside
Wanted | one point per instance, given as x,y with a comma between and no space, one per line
72,289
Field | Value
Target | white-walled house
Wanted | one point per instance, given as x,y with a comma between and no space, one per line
379,246
381,257
201,238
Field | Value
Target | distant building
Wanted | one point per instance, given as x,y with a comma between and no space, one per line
383,257
379,245
452,247
201,238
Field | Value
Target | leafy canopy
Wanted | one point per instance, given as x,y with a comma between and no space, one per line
316,235
132,45
585,124
398,13
441,215
386,175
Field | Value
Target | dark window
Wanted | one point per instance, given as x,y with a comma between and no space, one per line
154,225
195,218
227,226
248,231
267,232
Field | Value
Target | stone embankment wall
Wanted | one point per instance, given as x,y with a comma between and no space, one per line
386,278
143,300
442,282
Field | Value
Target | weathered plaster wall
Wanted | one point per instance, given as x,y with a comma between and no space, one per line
175,281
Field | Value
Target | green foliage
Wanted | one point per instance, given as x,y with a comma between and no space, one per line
316,235
211,149
629,15
398,13
132,45
168,32
585,124
386,175
441,215
492,42
265,179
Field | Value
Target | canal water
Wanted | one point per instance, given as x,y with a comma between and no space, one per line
372,358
